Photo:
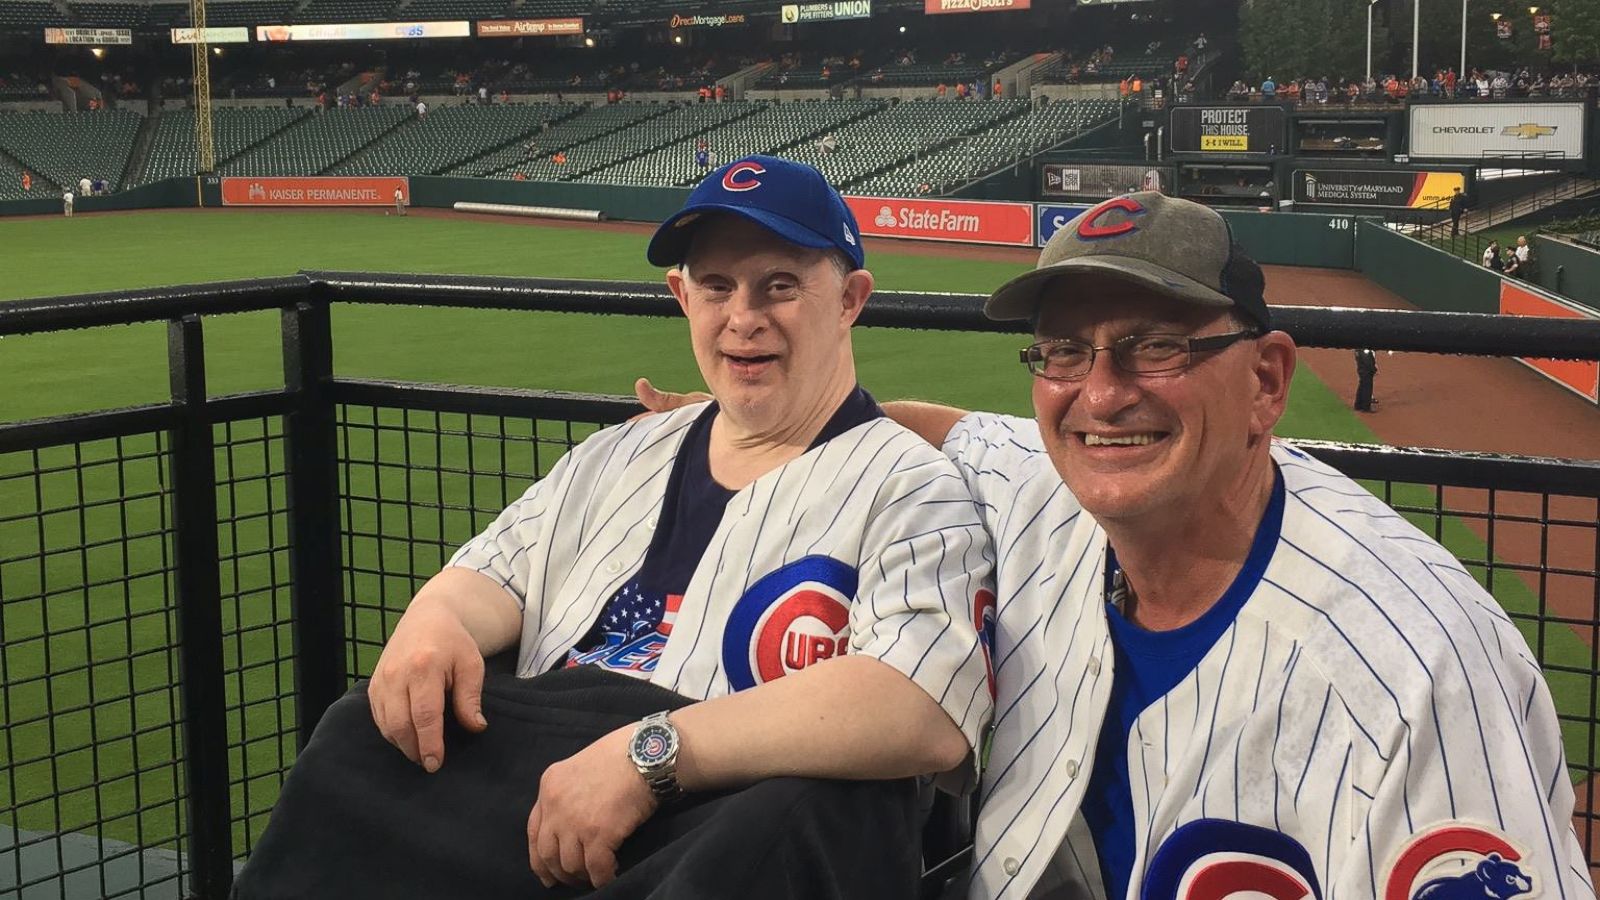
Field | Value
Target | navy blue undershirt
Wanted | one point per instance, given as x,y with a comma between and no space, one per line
1149,664
633,627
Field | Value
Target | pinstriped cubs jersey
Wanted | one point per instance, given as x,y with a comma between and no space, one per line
866,544
1371,724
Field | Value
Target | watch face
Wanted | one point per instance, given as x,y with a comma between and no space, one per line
654,744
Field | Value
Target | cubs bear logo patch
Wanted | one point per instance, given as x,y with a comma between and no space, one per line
1214,859
1457,860
793,617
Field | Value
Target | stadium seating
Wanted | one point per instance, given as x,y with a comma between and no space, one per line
19,14
109,15
318,141
432,10
172,149
68,146
923,73
168,15
588,125
248,12
11,183
769,130
672,127
450,136
346,11
900,133
992,148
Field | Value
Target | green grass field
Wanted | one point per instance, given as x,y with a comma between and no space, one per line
89,708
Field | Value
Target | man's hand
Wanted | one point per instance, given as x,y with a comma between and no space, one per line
430,653
658,401
588,805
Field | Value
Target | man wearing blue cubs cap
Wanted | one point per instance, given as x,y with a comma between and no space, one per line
742,628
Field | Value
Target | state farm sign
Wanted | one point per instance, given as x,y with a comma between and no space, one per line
936,7
963,221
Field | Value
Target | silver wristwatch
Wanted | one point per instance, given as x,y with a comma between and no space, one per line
654,751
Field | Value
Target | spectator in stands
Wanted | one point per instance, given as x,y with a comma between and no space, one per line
702,158
83,186
1526,262
1512,266
483,95
999,89
519,177
1269,89
1239,92
422,109
941,91
560,158
961,87
829,144
27,181
1491,257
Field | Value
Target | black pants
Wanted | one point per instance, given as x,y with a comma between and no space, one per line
357,819
1363,392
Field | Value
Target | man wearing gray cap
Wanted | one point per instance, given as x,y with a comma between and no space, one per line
1222,668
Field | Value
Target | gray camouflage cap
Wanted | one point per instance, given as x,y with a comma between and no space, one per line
1176,248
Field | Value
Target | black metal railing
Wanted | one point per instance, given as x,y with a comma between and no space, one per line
1431,223
186,585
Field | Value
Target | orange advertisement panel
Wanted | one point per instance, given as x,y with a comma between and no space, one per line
963,221
935,7
1582,376
313,191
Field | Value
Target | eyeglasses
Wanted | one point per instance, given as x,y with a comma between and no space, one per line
1136,354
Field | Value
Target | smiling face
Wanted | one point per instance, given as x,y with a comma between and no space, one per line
770,323
1157,447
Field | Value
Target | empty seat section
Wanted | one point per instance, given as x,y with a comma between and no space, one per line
526,155
346,11
899,133
672,128
235,13
172,147
318,141
991,148
29,14
449,136
66,147
771,130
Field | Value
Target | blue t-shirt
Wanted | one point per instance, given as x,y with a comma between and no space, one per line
1149,664
633,627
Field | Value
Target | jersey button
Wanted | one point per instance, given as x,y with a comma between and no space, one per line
1072,768
650,523
1094,665
1011,865
613,567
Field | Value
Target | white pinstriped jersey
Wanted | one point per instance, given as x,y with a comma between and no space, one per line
1371,724
868,543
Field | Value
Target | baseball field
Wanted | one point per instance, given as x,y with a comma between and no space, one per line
87,626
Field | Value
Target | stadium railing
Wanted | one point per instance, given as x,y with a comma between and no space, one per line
186,586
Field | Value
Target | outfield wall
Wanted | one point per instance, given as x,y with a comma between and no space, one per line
1426,276
166,194
1568,269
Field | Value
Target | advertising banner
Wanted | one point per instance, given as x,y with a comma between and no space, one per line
88,36
963,221
1376,187
1473,130
313,191
792,13
1099,181
938,7
1228,129
1054,218
529,27
363,31
211,36
678,21
1581,376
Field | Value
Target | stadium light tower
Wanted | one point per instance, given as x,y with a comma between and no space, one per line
200,52
1370,5
1416,35
1462,72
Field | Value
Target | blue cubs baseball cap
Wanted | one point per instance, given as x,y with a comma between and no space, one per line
790,199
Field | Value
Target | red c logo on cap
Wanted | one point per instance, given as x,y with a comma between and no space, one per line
1089,231
731,181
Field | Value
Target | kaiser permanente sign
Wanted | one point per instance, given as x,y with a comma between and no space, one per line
819,12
